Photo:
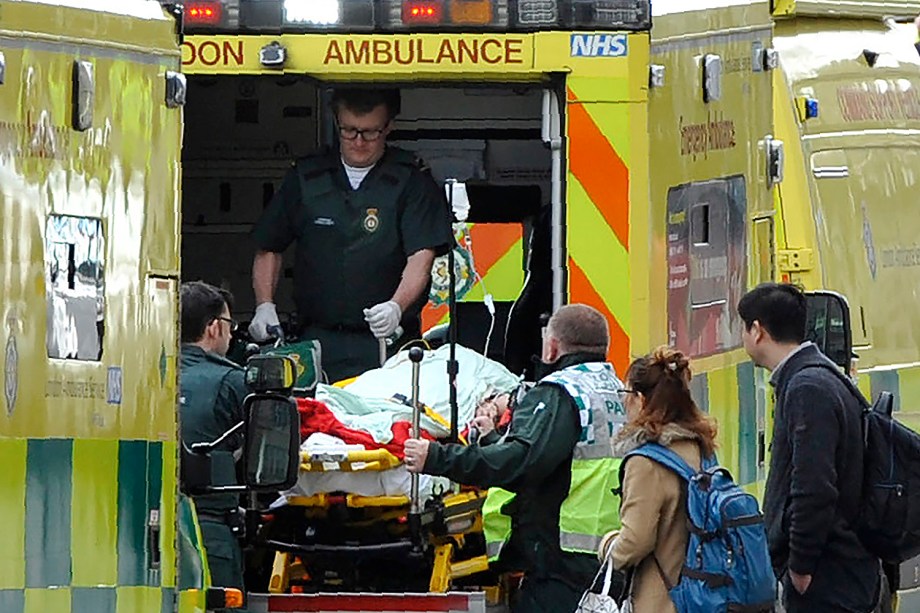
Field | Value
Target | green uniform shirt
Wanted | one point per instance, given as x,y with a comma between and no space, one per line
534,461
211,393
352,245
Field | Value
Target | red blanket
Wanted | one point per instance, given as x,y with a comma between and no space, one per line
315,416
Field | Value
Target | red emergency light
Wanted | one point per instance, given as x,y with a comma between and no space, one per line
422,12
203,13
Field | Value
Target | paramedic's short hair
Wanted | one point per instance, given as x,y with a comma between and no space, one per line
363,101
201,304
579,328
780,309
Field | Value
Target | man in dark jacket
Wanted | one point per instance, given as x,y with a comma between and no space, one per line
212,389
557,515
816,466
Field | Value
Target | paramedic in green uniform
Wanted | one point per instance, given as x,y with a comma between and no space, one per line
556,460
211,393
368,222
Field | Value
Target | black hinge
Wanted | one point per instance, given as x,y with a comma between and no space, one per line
177,11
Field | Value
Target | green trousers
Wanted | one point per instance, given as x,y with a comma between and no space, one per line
225,558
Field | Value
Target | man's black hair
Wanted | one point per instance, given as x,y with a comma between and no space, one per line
201,303
363,101
780,309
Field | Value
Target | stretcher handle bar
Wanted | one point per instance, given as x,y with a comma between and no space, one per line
339,549
415,356
357,455
345,467
278,333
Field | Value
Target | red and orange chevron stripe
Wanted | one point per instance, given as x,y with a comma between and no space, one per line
598,220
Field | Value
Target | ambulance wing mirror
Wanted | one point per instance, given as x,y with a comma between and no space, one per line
271,454
271,450
827,325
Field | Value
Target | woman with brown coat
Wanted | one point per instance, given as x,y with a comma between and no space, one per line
653,514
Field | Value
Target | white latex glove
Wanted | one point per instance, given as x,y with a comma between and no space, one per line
383,318
265,317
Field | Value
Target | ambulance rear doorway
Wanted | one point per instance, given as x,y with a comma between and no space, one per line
242,132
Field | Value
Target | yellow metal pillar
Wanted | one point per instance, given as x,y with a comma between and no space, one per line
440,572
278,584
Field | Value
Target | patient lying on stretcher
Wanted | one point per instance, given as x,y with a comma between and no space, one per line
373,413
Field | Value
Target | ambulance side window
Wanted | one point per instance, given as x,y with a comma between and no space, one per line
707,267
75,287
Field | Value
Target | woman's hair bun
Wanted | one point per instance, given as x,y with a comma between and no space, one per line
671,360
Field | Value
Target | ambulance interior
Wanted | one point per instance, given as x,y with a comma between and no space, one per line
241,135
242,132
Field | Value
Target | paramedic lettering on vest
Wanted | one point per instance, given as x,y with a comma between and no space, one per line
368,221
556,458
211,393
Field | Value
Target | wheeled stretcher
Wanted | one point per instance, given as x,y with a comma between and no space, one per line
361,521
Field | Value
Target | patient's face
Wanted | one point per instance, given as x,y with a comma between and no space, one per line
493,407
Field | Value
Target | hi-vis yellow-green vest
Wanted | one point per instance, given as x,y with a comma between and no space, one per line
591,509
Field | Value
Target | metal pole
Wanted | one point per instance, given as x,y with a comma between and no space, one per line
415,355
552,136
452,366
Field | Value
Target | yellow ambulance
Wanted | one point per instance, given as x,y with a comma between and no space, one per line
653,173
783,137
745,141
89,147
538,107
90,134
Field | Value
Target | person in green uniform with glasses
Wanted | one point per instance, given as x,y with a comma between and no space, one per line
367,221
211,393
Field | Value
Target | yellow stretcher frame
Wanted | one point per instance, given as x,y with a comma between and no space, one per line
287,566
352,461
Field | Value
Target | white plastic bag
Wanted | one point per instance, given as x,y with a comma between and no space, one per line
599,602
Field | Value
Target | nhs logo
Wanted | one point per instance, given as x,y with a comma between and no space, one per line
599,45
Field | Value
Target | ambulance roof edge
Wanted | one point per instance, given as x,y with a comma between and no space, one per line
145,9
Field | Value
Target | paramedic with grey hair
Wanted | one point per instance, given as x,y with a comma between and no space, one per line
556,471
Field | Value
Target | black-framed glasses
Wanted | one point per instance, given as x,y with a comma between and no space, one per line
622,393
234,324
367,135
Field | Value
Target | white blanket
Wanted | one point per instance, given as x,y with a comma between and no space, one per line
374,412
367,404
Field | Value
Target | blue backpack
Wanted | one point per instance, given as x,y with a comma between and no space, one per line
728,564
